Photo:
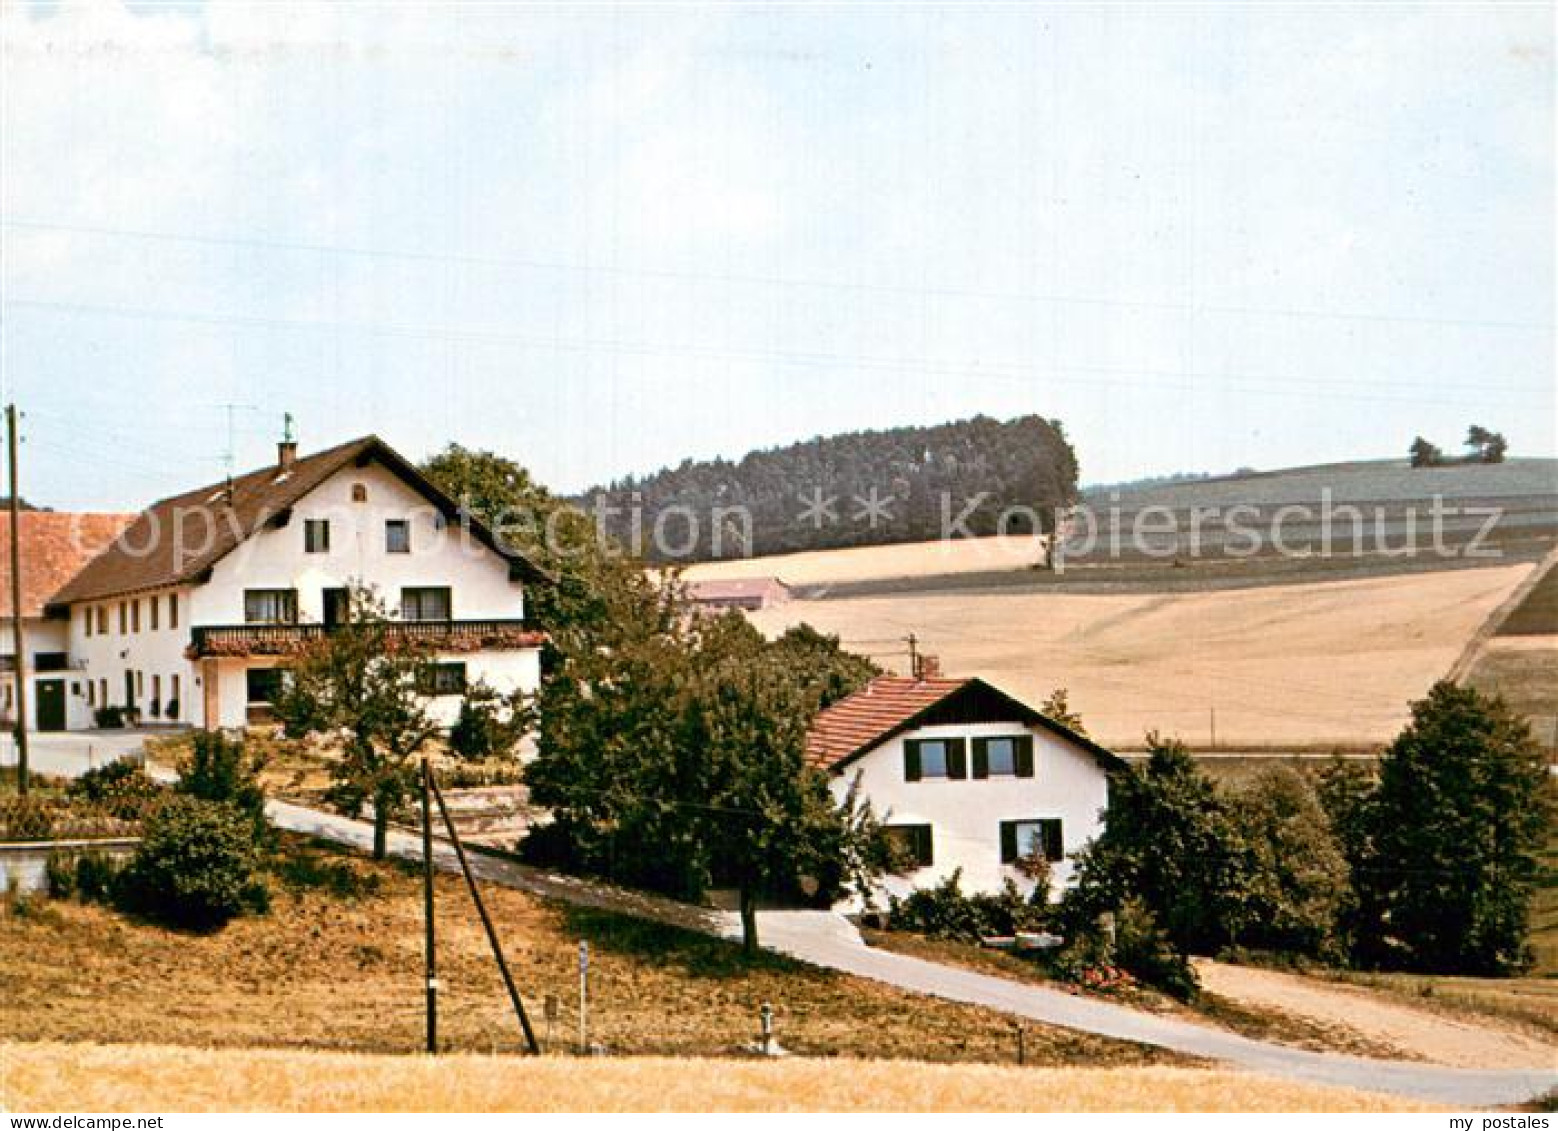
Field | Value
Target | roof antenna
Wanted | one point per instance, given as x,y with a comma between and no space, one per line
915,668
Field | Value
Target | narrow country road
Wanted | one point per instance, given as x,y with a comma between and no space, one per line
828,940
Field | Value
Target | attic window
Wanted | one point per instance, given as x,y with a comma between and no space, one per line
359,493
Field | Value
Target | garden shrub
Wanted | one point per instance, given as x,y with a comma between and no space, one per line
59,873
947,912
113,781
196,866
223,769
96,876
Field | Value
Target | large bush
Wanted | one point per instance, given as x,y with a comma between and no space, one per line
197,865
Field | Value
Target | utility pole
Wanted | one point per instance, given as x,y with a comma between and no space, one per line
914,655
19,671
1212,710
427,910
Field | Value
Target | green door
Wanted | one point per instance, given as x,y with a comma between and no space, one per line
51,704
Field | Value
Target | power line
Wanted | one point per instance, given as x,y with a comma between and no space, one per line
1342,388
261,243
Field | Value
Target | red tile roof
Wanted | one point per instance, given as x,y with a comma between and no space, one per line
151,554
55,547
871,715
891,704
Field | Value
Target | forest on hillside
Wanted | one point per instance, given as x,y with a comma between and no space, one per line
861,488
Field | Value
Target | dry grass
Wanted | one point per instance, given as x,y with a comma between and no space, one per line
1320,663
330,969
51,1077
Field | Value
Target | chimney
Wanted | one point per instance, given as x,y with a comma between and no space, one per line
286,447
930,667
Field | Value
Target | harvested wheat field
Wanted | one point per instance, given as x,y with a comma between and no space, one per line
1307,665
939,558
55,1077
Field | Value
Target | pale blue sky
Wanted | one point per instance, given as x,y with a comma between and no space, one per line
602,239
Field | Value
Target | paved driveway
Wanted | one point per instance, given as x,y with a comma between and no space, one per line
828,940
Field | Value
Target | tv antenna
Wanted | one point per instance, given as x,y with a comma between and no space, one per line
229,455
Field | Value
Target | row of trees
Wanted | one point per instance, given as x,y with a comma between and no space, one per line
1482,446
1026,462
1428,865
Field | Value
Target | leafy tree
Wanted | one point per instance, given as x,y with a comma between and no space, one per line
1425,454
1454,831
692,739
1170,843
197,865
1345,791
1486,446
358,684
597,590
770,824
1297,874
1058,708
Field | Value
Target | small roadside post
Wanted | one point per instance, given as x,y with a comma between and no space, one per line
584,997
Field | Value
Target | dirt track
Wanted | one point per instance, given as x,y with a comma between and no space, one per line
1415,1032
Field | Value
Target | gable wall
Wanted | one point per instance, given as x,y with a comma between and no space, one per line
275,558
1068,783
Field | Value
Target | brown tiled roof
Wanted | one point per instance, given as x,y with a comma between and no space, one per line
150,555
891,704
55,546
871,715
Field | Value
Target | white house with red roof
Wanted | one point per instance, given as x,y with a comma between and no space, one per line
966,777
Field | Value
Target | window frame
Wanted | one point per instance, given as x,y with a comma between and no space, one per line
956,759
316,535
394,524
1051,834
430,681
1022,756
918,838
420,593
288,601
277,675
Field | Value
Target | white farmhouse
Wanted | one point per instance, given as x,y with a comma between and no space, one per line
966,777
190,615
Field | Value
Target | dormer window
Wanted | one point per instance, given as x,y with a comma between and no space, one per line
397,536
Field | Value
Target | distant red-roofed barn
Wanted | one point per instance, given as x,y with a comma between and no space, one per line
966,777
746,593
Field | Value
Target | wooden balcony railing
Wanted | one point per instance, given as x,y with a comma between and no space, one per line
284,639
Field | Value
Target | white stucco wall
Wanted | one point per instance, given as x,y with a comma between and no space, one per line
39,634
276,559
966,814
151,651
